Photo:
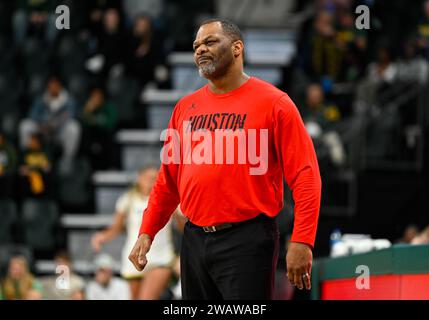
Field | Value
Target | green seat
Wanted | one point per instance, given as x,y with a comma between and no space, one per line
8,218
124,94
40,221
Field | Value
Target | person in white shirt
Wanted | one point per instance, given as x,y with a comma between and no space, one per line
150,283
72,289
106,286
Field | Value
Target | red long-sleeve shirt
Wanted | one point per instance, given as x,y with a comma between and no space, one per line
211,194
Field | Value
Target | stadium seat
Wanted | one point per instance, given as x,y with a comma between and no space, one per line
78,85
40,219
109,186
160,105
36,84
35,56
186,78
273,13
70,57
74,190
7,54
8,218
81,251
11,87
123,92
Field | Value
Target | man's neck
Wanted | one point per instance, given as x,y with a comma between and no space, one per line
227,83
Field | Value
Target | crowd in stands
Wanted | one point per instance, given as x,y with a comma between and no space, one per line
361,72
74,87
20,283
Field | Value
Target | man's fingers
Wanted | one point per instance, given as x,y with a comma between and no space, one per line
138,254
290,277
142,257
134,256
307,280
133,260
299,260
137,264
298,280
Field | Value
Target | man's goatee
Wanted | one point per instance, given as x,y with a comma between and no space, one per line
206,70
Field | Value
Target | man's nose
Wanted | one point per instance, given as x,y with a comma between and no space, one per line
201,50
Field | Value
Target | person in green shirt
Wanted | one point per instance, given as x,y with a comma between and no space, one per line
99,112
19,283
99,122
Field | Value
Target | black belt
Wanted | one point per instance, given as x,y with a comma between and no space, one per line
223,226
217,227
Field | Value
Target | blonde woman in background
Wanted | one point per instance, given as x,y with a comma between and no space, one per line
19,283
150,283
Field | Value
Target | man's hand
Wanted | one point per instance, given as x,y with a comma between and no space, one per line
138,254
299,260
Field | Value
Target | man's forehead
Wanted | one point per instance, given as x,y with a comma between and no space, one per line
210,29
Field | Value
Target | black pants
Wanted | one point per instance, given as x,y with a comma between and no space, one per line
234,263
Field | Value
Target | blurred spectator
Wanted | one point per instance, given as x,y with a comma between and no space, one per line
422,237
383,70
320,120
353,43
422,31
99,121
110,44
19,283
412,67
316,108
150,283
409,234
143,55
35,168
36,19
95,10
75,286
380,77
413,71
105,286
322,57
8,165
53,114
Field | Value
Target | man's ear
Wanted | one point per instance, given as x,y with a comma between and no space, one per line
238,48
